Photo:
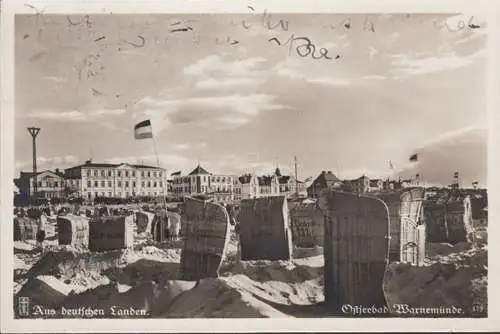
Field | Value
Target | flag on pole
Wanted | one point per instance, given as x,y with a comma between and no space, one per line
143,130
455,175
414,157
390,165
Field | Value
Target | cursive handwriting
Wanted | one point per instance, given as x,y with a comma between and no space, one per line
460,26
304,47
266,22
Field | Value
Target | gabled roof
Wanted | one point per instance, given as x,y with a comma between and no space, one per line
27,175
199,170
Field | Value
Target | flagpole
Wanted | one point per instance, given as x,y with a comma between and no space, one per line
163,182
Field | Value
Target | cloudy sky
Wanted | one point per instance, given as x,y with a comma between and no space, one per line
218,89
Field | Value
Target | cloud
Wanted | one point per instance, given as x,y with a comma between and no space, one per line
405,66
229,109
56,79
464,150
212,83
329,81
168,161
48,162
292,69
213,72
75,115
352,174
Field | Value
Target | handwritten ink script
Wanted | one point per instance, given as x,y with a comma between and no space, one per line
266,22
461,25
304,47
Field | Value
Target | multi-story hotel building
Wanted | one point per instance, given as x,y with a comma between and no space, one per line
200,181
124,180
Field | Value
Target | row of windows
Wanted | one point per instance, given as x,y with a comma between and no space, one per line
125,173
119,194
54,184
215,179
126,183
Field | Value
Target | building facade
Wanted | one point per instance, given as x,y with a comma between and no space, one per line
219,187
92,180
325,180
49,184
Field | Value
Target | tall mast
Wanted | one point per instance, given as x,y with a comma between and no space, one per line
296,179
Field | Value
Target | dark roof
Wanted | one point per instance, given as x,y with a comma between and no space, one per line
199,170
244,179
325,180
30,174
106,165
284,179
265,180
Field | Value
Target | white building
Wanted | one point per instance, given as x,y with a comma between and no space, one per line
220,187
92,180
49,184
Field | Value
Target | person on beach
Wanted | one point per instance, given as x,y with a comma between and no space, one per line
40,234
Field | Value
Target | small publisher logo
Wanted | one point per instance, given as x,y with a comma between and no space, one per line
24,306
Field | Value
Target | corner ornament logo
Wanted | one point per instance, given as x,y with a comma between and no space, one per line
23,306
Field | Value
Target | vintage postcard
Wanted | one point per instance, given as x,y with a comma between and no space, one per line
302,166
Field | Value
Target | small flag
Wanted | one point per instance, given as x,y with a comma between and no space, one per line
417,176
143,130
414,157
455,175
390,165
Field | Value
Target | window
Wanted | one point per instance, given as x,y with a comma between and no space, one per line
119,194
102,194
149,174
149,184
154,174
89,185
109,173
119,183
126,194
133,174
89,194
160,174
56,184
40,184
155,184
103,173
156,194
161,184
119,173
96,173
109,194
126,173
96,184
142,184
133,184
109,184
126,184
142,173
103,184
96,194
88,174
